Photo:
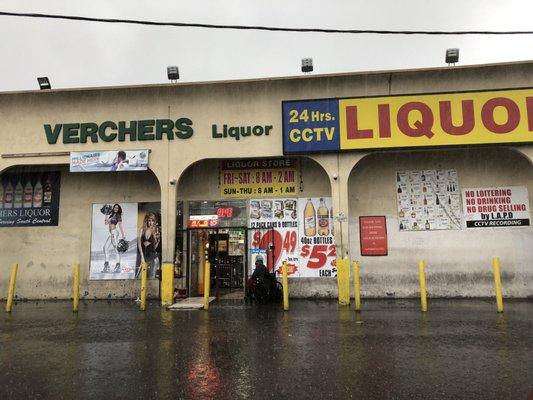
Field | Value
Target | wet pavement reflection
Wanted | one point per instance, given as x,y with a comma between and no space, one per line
460,349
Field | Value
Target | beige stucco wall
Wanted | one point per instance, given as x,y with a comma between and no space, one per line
22,116
459,262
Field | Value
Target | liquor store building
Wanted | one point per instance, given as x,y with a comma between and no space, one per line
385,168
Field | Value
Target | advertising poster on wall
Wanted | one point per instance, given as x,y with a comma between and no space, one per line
316,239
113,241
428,200
504,206
29,199
273,227
269,177
373,236
149,239
121,160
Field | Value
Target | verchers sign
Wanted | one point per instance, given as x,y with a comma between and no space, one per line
504,116
122,131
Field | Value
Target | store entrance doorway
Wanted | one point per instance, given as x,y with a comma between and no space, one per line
225,249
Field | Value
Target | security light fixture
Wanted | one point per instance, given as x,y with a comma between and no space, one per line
44,83
452,56
307,65
173,73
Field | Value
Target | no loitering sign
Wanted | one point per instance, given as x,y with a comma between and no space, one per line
504,206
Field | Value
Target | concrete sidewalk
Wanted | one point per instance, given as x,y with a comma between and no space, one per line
461,349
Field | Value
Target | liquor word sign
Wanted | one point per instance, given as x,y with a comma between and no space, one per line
270,177
29,199
504,116
373,236
504,206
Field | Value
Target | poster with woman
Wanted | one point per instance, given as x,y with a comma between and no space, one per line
149,239
113,241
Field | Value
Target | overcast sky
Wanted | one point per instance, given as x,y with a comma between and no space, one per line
83,54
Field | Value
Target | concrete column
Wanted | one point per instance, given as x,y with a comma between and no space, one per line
338,168
168,219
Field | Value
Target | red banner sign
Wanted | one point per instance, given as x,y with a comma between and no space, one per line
373,236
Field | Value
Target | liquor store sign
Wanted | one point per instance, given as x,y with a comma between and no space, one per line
489,117
29,199
270,177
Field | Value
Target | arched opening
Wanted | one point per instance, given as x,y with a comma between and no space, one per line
429,220
62,220
236,211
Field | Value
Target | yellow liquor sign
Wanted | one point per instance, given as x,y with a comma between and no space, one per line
268,177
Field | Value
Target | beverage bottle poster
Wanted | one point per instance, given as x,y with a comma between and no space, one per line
316,237
273,227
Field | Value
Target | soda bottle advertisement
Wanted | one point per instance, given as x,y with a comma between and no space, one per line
29,199
316,237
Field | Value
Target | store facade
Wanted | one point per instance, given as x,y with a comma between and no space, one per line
386,168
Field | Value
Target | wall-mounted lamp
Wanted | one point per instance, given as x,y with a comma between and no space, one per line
307,65
452,56
173,73
44,83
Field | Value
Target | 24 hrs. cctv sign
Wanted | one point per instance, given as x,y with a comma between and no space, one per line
504,116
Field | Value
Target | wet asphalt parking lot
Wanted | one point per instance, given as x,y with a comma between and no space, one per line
460,349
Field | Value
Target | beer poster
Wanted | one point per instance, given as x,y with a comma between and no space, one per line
113,241
317,257
274,228
428,200
29,199
493,207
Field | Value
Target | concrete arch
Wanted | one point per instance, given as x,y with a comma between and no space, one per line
460,259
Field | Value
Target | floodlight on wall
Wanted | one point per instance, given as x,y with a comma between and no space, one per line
452,56
44,83
307,65
173,73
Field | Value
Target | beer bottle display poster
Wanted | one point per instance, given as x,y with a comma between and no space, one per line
428,200
317,243
29,199
298,231
274,228
113,241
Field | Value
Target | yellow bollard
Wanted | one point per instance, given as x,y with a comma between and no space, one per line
11,292
207,284
422,277
76,288
343,281
356,286
285,281
144,284
497,283
167,284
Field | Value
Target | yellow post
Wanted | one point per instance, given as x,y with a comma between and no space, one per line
167,283
76,288
422,277
11,292
356,286
207,284
343,281
285,281
144,281
497,283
